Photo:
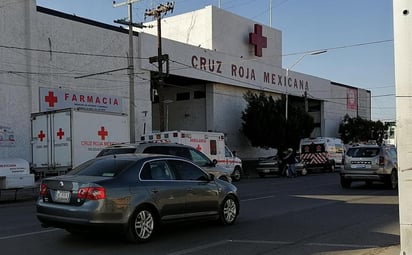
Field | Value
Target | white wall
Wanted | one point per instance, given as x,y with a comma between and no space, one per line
218,30
51,51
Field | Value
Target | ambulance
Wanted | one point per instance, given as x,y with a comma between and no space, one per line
212,144
324,153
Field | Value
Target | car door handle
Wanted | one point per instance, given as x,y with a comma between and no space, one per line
155,190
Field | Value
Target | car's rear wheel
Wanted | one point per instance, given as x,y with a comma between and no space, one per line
391,181
229,210
236,174
345,183
142,225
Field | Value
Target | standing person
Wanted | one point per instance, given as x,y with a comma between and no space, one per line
282,163
291,161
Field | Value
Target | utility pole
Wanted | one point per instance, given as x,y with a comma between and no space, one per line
160,58
403,83
306,101
132,115
287,77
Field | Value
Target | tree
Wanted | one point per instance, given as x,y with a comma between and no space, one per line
265,125
360,130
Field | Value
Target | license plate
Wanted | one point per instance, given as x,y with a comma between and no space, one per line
360,166
62,196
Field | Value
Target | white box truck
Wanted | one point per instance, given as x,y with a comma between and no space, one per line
63,139
212,144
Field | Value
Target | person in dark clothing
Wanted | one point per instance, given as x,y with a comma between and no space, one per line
282,163
290,160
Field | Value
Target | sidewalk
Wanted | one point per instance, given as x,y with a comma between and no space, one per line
390,250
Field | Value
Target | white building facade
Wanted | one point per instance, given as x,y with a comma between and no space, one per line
215,57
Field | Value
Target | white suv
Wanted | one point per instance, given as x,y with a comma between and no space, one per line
180,150
370,163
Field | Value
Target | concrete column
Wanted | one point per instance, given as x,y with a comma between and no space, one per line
402,13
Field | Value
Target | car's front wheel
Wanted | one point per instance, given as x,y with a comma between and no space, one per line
229,210
236,174
142,225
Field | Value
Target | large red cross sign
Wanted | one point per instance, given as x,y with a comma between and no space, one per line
258,40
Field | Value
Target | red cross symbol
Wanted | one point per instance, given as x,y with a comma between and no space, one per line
258,40
102,133
41,136
51,99
60,134
198,147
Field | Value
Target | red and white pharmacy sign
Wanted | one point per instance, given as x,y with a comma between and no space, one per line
55,99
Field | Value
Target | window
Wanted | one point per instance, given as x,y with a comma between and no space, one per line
105,152
156,170
182,96
228,153
168,150
187,171
107,167
213,147
363,152
199,94
199,159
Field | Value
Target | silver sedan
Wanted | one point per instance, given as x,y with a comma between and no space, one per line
134,194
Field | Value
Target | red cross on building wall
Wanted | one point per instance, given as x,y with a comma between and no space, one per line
102,133
258,40
51,99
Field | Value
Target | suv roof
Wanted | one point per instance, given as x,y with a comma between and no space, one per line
122,148
175,149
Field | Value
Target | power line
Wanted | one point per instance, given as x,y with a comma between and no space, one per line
339,47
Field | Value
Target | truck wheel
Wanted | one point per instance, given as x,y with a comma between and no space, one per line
332,167
304,171
236,174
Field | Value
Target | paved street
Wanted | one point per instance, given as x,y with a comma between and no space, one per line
304,215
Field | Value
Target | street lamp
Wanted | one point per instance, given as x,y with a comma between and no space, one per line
287,75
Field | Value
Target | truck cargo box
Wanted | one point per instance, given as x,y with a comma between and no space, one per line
63,139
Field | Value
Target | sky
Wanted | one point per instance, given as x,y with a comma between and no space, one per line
357,34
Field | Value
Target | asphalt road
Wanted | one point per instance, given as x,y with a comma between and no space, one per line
305,215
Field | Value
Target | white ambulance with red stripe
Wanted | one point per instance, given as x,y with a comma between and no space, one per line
212,144
324,153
